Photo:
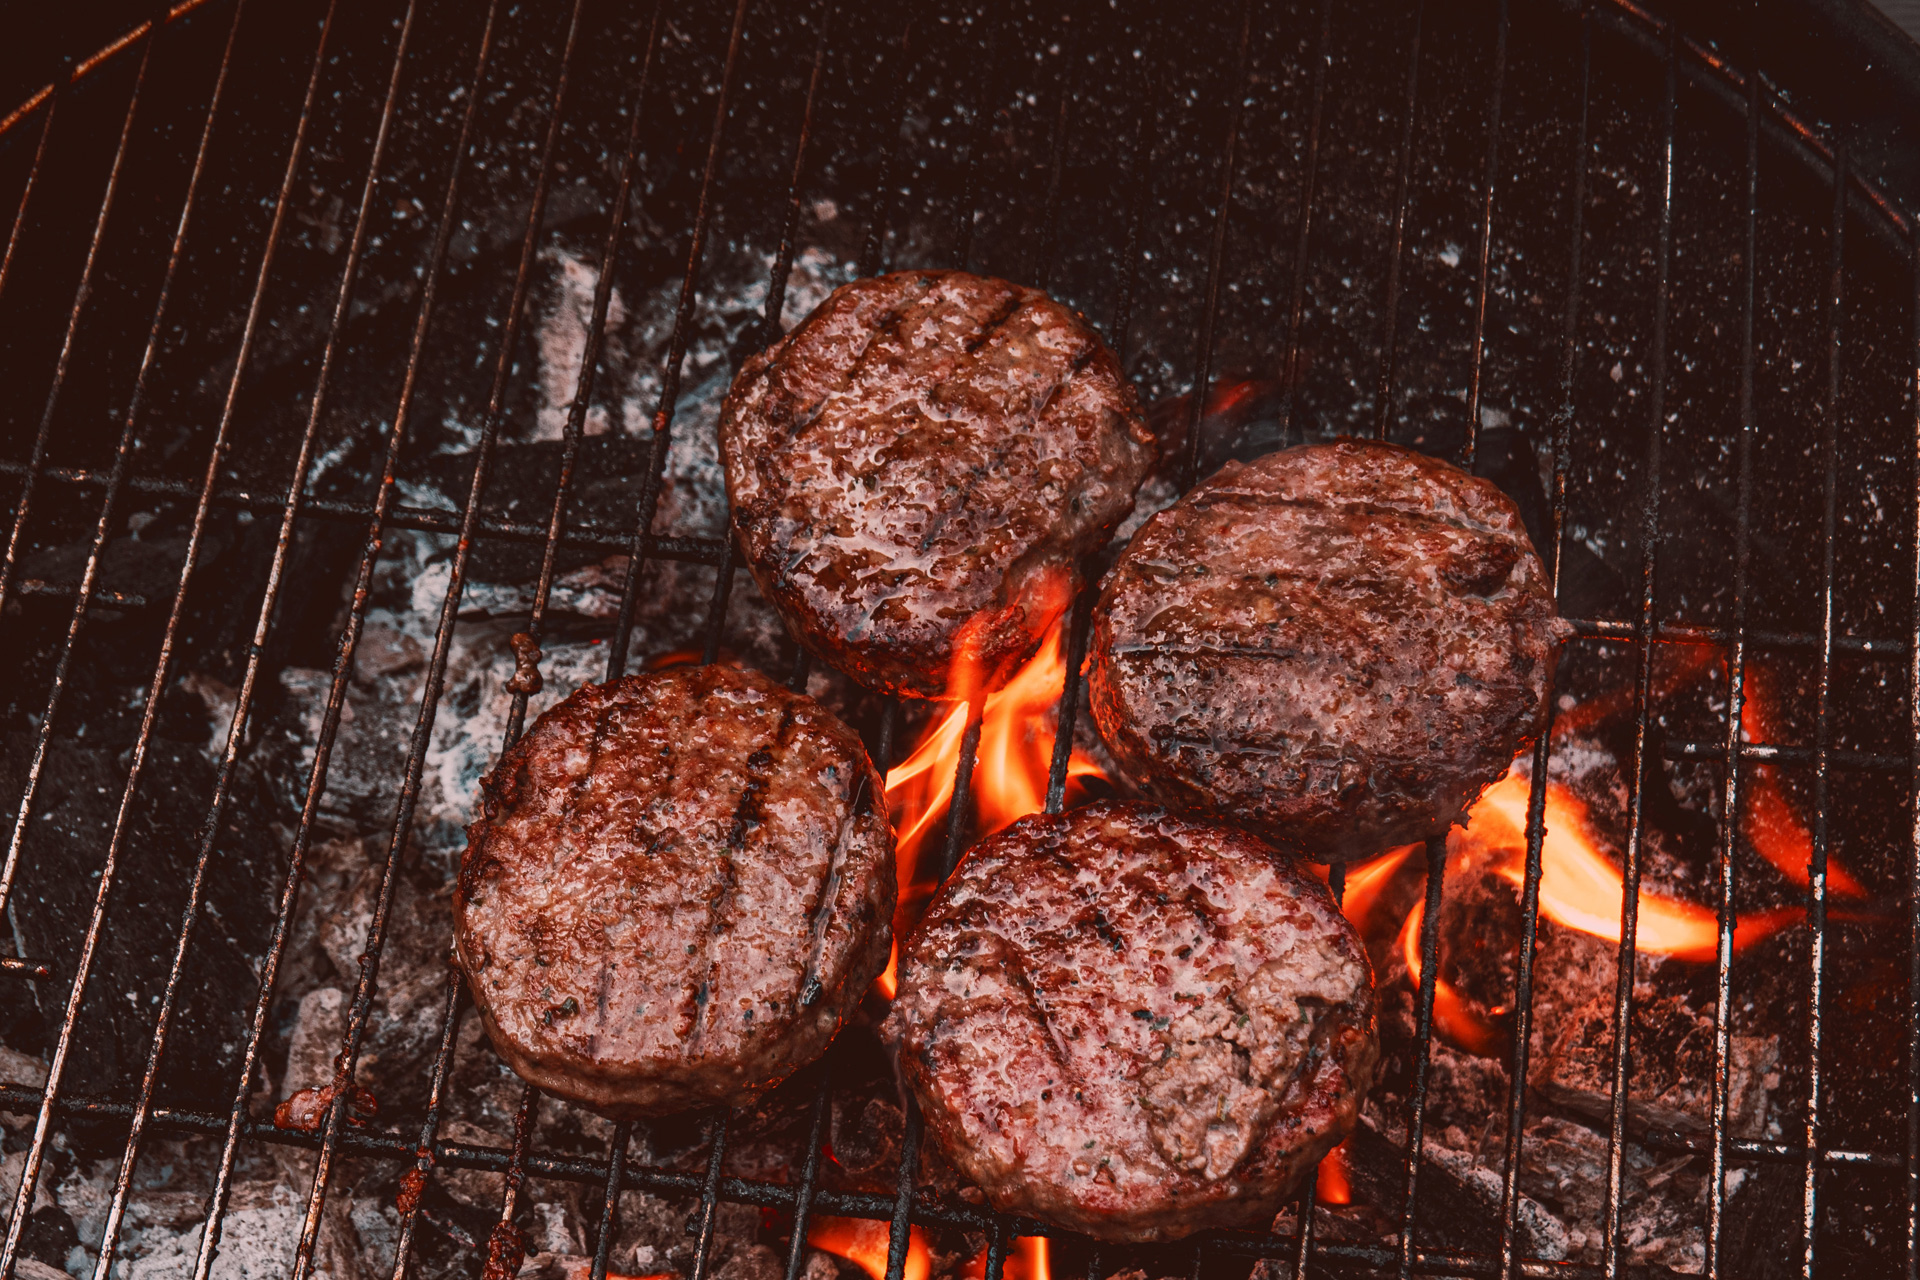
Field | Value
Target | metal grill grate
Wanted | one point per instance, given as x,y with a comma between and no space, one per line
1206,88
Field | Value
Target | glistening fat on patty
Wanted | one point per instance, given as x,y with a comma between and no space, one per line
1134,1024
1338,645
680,885
920,465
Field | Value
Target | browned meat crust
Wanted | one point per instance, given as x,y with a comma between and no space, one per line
927,451
1338,645
682,884
1135,1024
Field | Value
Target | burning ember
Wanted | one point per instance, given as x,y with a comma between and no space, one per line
864,1241
1017,725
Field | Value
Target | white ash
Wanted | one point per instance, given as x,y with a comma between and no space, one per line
636,339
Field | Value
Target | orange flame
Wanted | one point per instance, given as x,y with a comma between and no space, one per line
863,1242
1366,881
1453,1015
1029,1259
1769,822
1581,888
1330,1183
888,983
1017,723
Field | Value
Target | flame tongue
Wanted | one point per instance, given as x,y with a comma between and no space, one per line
1330,1182
1017,725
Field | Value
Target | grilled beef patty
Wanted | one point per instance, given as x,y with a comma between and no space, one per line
681,884
919,465
1134,1024
1338,645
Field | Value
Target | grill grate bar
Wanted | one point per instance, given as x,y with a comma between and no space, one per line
1070,689
899,1230
1491,185
996,1248
1396,250
1823,719
709,1209
584,380
1728,843
83,964
710,551
394,1145
413,1183
1223,210
375,941
506,1246
33,169
263,622
1613,631
237,1118
1310,175
1322,57
1423,1034
1643,677
80,292
873,249
1860,761
1303,1250
770,327
809,1175
44,736
609,1202
642,544
397,515
717,609
1543,748
966,210
1140,183
1049,250
504,1231
1913,871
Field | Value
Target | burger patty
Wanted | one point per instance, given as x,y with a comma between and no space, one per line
916,469
1134,1024
682,883
1338,645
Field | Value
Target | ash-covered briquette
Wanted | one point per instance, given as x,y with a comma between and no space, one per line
1338,645
681,885
1135,1024
920,466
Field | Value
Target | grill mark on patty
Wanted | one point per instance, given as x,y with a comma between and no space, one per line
1173,649
1081,359
886,325
1016,969
779,477
829,891
994,323
1204,499
570,807
760,767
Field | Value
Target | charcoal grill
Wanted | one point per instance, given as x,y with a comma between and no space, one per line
1593,235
